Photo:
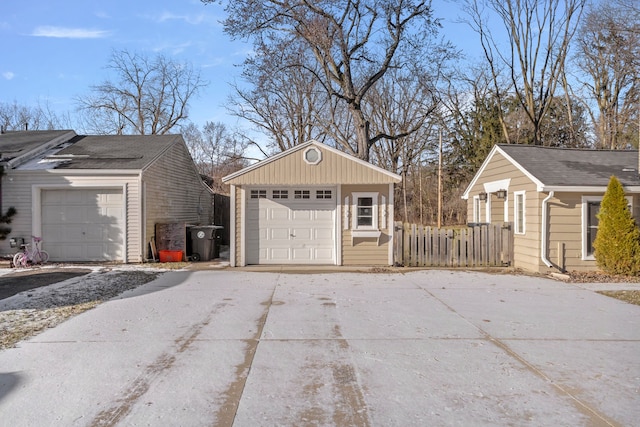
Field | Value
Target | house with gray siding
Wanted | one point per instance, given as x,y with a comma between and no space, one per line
98,197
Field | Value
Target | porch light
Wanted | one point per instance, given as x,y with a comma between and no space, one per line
502,194
483,196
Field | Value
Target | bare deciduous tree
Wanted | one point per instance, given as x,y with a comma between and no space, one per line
353,42
149,96
608,52
216,151
283,101
539,33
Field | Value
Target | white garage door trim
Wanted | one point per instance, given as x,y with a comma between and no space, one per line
290,225
37,193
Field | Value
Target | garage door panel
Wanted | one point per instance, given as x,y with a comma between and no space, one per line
279,234
279,214
302,254
323,215
303,215
302,233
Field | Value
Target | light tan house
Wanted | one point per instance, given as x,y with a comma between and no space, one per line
98,198
551,196
312,204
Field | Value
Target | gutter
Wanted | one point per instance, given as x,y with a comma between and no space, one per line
545,230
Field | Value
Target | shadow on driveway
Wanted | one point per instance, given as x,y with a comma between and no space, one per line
24,280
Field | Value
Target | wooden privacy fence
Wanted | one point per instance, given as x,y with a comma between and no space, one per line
478,245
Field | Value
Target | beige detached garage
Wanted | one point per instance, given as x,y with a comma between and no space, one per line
312,204
98,198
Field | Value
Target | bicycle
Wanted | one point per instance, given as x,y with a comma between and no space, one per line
31,256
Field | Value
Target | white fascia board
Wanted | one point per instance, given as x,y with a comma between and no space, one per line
465,195
302,146
584,189
94,172
496,149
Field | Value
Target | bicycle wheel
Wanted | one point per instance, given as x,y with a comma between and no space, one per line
43,257
19,260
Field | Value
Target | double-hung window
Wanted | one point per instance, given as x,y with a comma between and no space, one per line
365,211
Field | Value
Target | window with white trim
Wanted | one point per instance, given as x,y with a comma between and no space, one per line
477,209
519,217
365,211
258,194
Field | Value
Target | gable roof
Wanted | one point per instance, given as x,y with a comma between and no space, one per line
568,169
102,152
343,172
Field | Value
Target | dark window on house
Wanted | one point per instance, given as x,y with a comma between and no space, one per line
365,212
258,194
301,194
323,194
280,194
592,224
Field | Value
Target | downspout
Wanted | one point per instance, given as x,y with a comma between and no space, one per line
545,230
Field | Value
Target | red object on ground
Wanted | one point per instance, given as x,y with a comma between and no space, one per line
170,256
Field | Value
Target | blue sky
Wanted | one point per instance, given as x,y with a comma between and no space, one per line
53,51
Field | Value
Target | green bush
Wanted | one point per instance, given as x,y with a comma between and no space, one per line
617,242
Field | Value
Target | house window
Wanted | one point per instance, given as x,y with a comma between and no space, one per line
280,194
590,210
477,209
592,225
301,194
312,156
365,211
323,194
519,212
258,194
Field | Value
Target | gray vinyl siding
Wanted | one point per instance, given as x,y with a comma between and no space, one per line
174,192
18,191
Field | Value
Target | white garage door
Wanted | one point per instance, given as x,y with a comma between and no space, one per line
83,224
290,226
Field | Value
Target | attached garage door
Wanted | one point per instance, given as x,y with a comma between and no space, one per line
290,226
83,224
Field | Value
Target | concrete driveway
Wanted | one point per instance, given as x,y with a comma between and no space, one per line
426,348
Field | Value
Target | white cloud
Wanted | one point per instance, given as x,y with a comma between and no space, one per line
68,33
8,75
189,19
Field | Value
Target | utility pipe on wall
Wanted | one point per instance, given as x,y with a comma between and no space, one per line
545,230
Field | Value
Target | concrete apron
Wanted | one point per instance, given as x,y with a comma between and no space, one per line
244,348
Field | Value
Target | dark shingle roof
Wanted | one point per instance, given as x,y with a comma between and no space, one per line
113,151
16,143
575,167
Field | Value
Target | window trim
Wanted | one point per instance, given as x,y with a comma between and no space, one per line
374,213
518,228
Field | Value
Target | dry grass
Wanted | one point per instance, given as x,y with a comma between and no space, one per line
632,297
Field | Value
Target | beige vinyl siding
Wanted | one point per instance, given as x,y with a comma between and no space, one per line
18,188
526,246
175,192
293,170
566,231
366,251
